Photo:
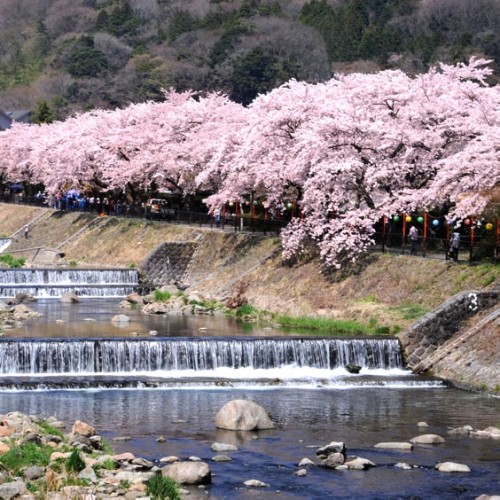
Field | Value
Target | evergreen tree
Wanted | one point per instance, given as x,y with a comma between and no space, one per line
42,113
253,74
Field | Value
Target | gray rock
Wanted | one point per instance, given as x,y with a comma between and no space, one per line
134,298
255,483
403,465
460,431
359,464
70,298
88,473
170,459
142,462
33,472
333,447
194,459
243,415
422,424
301,472
32,437
156,308
221,458
452,467
222,447
13,489
427,439
305,462
188,472
333,460
395,446
120,319
489,432
25,297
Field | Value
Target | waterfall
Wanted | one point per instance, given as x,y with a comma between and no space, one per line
55,282
111,356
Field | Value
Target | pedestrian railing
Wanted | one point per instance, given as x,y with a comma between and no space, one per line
472,248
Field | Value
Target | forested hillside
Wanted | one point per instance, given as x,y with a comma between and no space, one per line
60,56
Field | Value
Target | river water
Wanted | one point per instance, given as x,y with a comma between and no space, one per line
309,410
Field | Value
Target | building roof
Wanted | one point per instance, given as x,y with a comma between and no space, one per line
7,117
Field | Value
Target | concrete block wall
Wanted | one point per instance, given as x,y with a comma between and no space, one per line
168,262
438,326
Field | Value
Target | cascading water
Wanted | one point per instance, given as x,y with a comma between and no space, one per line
42,283
167,361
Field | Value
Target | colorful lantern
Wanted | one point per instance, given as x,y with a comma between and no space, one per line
289,205
489,226
396,218
408,218
435,223
420,220
466,222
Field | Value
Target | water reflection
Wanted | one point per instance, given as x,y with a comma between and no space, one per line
92,318
303,418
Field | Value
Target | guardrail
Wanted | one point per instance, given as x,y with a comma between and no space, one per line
473,248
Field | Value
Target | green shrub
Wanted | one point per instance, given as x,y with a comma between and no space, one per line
162,296
49,429
75,462
245,310
108,464
11,261
27,454
160,487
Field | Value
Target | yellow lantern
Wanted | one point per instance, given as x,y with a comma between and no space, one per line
408,218
489,226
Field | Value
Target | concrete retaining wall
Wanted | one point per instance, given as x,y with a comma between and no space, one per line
168,262
435,328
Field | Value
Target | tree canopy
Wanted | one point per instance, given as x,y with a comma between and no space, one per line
345,152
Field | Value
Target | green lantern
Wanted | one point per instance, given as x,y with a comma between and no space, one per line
420,219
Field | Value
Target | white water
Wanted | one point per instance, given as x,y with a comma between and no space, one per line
50,283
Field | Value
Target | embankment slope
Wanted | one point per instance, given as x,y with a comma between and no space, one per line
390,291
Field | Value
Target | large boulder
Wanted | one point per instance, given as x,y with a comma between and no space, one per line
82,429
22,312
12,489
333,447
427,439
70,298
188,472
243,415
452,467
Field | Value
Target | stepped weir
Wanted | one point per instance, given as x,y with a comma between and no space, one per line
100,356
46,283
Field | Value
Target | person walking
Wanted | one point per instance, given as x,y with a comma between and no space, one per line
413,236
454,245
26,232
217,215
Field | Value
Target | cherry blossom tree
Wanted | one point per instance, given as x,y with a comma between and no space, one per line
344,152
362,146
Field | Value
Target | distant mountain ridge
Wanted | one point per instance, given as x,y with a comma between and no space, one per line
84,54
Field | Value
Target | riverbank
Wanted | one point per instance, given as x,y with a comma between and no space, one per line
389,292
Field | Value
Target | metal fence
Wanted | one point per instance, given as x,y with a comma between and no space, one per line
247,222
474,245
